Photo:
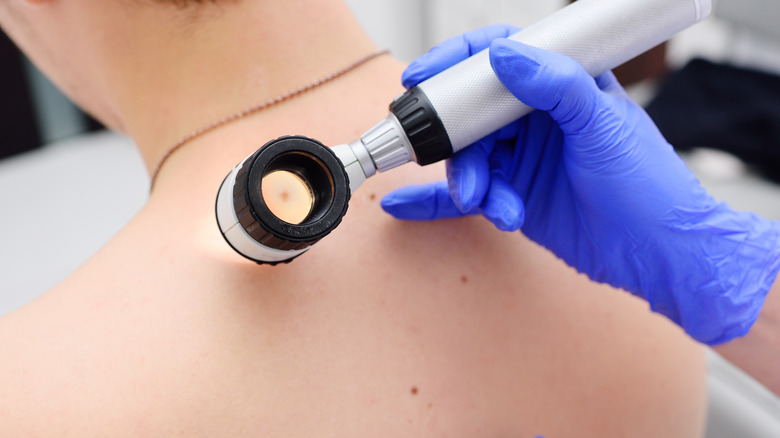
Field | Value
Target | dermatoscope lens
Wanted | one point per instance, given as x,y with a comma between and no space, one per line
287,196
282,199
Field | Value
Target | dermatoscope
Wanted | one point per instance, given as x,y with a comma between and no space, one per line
293,191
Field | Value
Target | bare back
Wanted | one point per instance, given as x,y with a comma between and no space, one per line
385,328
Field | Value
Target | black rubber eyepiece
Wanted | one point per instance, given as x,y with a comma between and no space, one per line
312,162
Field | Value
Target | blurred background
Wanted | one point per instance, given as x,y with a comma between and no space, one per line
67,185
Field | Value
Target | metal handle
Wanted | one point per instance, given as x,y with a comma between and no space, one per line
599,34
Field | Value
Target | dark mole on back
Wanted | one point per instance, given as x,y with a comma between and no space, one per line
414,390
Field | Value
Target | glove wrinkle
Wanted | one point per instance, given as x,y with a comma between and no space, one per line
595,182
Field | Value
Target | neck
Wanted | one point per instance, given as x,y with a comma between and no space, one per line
226,60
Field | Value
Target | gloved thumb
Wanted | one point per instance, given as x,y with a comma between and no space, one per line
468,174
503,205
546,81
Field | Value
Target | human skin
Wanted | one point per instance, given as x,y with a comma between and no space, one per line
758,352
384,328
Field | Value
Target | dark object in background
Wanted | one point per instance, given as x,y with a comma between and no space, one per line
18,128
722,107
649,65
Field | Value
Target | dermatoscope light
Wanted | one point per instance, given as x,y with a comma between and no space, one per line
293,191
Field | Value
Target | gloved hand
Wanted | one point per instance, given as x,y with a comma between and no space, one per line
592,179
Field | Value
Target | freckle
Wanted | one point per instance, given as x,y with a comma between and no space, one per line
430,405
414,390
464,279
372,196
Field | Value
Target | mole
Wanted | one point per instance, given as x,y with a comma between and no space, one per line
372,196
414,390
464,279
287,196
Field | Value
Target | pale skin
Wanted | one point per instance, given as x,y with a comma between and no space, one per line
758,353
383,329
287,196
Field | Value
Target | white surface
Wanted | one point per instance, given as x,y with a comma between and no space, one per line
410,27
393,24
729,179
60,204
760,15
447,18
739,406
724,39
703,8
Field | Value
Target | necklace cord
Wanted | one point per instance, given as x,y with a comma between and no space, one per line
254,109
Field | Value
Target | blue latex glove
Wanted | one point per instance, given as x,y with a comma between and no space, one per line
592,179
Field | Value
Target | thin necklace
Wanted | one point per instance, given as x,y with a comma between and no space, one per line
249,111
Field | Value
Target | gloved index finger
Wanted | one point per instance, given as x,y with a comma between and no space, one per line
422,203
452,51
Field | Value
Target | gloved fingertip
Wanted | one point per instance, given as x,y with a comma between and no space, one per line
403,203
468,174
506,56
500,30
544,80
506,216
452,51
439,58
460,182
422,202
415,73
503,206
480,39
515,64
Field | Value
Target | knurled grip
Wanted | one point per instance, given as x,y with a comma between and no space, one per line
599,34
